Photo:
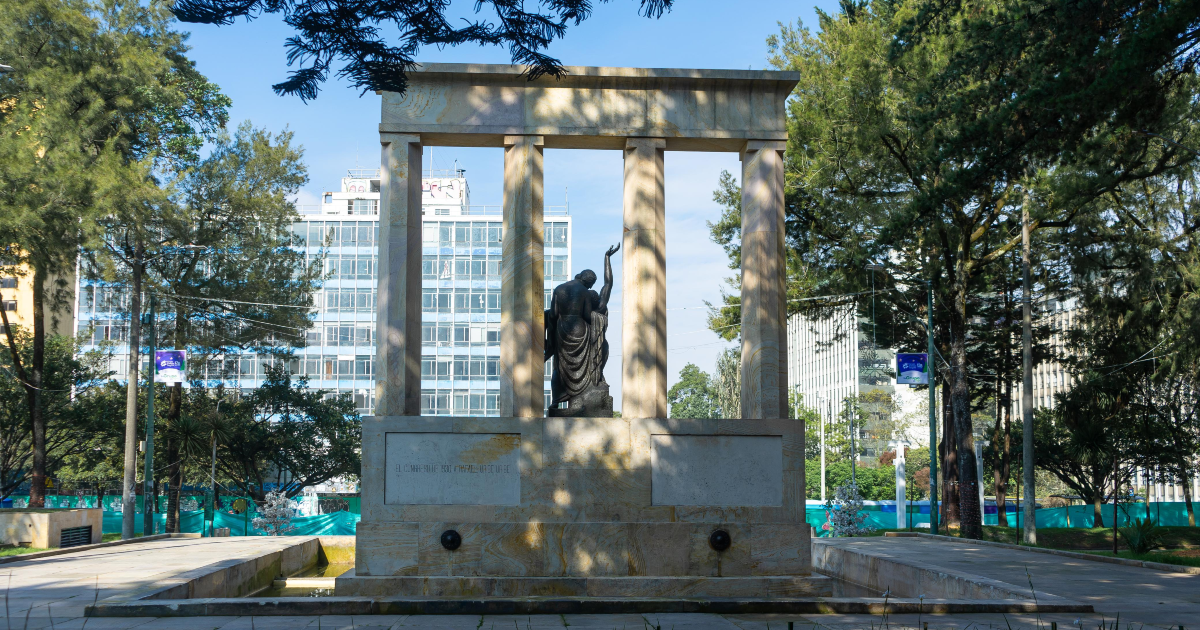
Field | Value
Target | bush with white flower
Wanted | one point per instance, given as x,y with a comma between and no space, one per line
846,517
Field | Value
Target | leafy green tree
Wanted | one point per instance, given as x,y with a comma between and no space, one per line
77,426
240,285
98,88
290,436
693,395
352,30
727,383
908,143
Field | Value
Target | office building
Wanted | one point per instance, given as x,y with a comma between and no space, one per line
460,286
832,364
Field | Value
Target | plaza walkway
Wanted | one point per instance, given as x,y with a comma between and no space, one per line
1139,596
53,592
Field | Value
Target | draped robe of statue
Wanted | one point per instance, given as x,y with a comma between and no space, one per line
576,323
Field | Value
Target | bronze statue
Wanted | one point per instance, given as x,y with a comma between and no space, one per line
575,325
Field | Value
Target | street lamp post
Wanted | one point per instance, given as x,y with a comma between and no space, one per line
148,475
933,489
901,482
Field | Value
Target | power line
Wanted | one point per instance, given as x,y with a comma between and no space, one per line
191,297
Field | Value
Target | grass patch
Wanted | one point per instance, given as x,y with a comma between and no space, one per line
1080,539
1165,557
114,537
16,551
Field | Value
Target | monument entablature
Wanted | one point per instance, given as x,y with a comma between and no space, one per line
591,108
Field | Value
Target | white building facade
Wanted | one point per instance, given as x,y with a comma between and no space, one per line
832,361
461,298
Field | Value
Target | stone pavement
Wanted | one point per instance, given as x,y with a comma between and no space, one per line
59,587
54,591
1138,595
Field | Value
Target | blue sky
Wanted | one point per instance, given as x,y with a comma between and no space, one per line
339,131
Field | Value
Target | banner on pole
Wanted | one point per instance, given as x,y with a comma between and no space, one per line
170,366
912,369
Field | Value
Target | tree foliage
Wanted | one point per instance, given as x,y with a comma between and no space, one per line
286,436
79,424
923,130
357,32
693,396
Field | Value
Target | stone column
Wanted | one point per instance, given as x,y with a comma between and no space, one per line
644,282
523,281
764,295
398,325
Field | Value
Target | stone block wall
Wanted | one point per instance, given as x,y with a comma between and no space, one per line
42,528
582,497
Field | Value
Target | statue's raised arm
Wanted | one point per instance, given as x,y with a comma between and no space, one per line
606,290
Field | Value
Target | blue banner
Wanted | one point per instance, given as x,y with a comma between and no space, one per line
912,369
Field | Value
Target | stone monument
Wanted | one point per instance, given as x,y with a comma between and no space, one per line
576,323
638,506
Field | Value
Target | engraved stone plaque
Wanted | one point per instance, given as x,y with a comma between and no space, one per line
452,469
726,470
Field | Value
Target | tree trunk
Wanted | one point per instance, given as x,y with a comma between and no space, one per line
153,501
1097,499
37,489
948,449
1000,442
129,485
960,401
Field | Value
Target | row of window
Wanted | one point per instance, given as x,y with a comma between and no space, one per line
484,267
459,402
461,267
348,300
460,368
359,335
335,233
485,233
103,299
448,333
460,300
350,266
447,300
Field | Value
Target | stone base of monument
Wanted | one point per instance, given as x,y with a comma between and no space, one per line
461,507
594,402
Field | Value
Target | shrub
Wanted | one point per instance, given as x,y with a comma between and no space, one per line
275,517
1142,536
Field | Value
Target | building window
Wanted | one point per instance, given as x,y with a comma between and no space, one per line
8,283
556,235
10,305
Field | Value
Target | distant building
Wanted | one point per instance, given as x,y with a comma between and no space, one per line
460,298
1052,377
16,299
831,362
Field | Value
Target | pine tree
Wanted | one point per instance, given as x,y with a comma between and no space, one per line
351,30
